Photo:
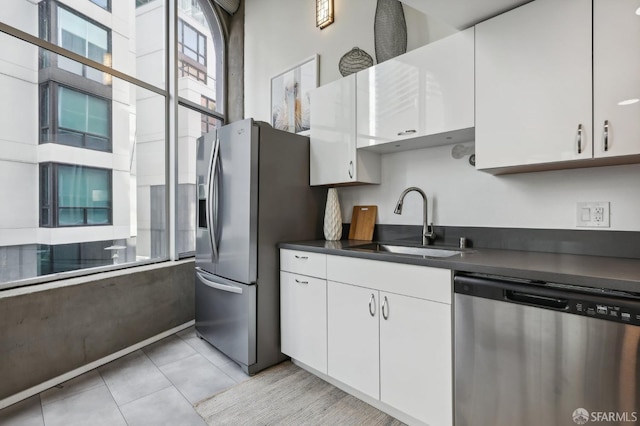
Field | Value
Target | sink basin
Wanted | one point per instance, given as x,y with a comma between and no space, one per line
407,250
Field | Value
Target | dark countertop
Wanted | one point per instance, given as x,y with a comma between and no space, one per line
589,271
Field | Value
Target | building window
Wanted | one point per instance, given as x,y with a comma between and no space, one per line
208,122
71,117
53,259
73,195
189,70
105,4
142,2
192,51
78,34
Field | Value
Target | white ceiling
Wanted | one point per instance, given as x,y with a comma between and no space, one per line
463,14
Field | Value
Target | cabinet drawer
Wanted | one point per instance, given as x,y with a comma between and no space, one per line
303,262
410,280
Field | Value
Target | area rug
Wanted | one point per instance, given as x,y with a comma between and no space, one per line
288,395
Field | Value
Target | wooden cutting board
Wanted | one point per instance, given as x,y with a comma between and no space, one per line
363,220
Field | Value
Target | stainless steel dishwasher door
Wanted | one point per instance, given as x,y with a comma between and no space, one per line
525,365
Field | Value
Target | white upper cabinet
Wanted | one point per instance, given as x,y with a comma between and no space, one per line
557,89
533,85
420,98
616,67
334,159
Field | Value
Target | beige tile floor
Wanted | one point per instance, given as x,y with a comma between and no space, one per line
156,385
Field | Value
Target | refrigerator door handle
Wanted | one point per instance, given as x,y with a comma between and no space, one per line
218,285
213,202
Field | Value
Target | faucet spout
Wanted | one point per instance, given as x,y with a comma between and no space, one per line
428,233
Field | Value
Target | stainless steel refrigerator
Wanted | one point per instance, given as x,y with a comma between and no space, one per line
253,192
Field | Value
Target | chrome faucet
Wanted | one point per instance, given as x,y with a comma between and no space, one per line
428,234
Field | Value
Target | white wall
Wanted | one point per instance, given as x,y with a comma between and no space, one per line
281,33
459,195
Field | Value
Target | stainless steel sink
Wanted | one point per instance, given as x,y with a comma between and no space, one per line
407,250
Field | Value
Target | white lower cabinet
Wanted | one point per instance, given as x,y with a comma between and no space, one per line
415,357
303,307
353,337
303,315
393,347
381,328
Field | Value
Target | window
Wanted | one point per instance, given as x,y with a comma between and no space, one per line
78,34
105,4
90,145
192,51
68,257
208,122
73,195
71,117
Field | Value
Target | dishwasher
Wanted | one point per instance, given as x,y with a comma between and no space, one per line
539,353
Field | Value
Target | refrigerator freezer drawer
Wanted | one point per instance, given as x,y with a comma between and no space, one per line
226,316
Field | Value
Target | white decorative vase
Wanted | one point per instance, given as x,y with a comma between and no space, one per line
332,217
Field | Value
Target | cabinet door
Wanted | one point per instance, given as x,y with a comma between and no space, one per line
415,357
303,319
533,85
352,315
616,62
333,133
391,101
424,92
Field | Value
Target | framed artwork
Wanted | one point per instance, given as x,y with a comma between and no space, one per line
290,96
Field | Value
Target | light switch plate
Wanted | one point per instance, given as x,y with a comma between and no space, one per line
593,214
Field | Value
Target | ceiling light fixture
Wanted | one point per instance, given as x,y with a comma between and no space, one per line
324,13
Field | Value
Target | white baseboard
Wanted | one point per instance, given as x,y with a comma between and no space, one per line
85,368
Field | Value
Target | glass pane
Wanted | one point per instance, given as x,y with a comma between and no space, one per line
80,186
70,217
189,130
97,116
73,42
138,54
102,3
97,216
120,192
72,109
67,137
99,144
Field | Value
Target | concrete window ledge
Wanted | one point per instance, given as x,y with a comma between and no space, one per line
54,331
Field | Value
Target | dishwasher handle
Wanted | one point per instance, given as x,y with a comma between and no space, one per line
536,300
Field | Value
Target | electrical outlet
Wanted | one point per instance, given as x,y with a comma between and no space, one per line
593,214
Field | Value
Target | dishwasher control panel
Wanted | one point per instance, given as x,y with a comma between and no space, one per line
604,309
608,305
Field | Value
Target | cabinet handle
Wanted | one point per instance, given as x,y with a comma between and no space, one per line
301,282
350,170
372,305
302,257
606,135
406,132
385,308
579,139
